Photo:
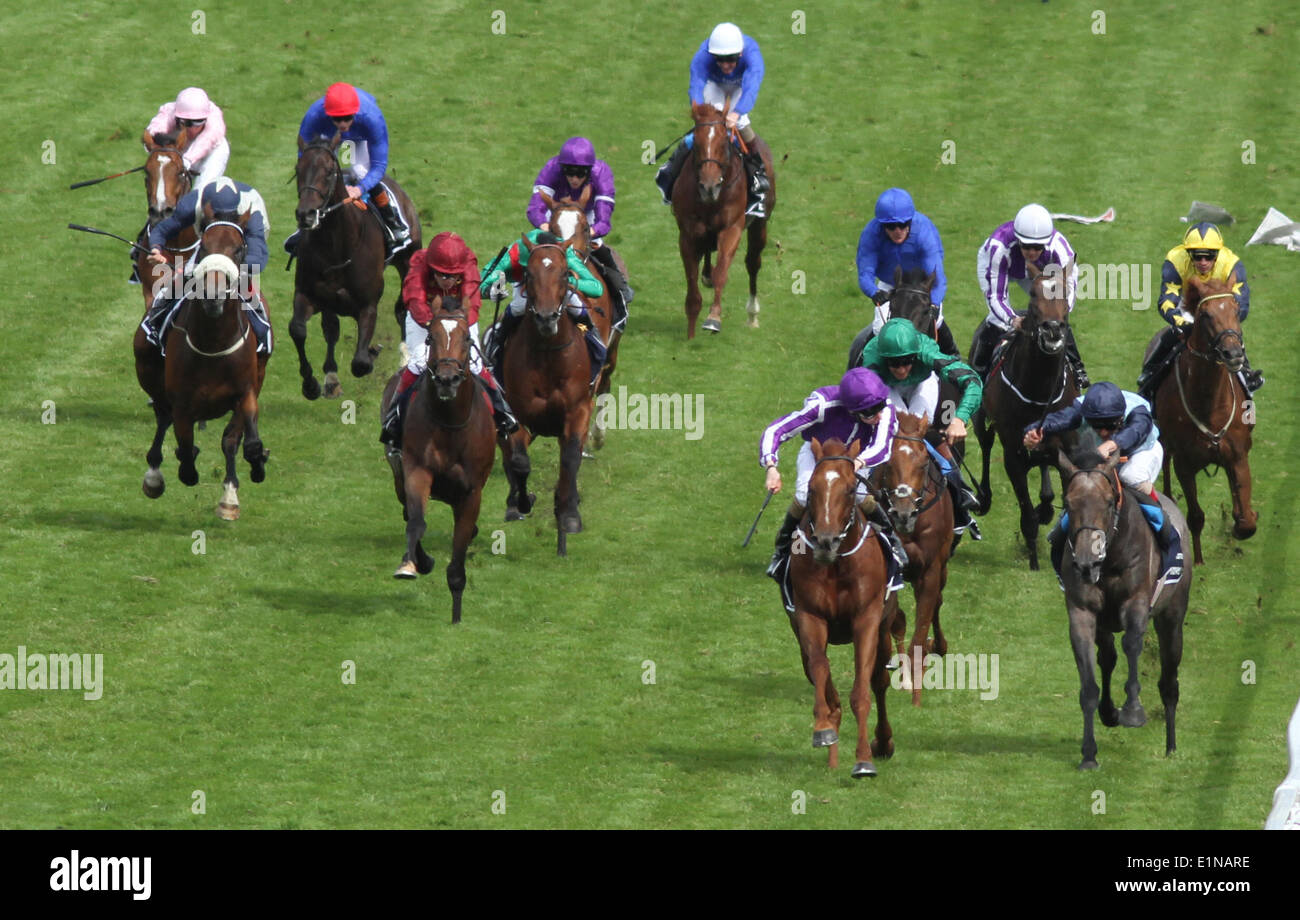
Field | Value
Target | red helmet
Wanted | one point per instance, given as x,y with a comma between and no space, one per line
341,100
448,254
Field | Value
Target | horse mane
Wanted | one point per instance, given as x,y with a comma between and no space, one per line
701,111
163,139
913,276
1087,458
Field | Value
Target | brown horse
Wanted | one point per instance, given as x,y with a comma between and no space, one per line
448,446
1205,416
547,374
340,262
212,366
838,579
919,504
1110,586
709,200
569,223
166,180
1029,381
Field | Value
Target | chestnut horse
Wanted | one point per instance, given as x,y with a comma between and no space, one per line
1110,584
569,222
448,446
838,581
709,200
547,373
340,262
166,180
212,366
918,502
1204,414
1030,380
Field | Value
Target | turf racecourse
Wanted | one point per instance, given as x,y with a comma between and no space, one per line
649,680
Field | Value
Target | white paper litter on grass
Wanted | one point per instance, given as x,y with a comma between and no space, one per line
1200,211
1279,229
1105,218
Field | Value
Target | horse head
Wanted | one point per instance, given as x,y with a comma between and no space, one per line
832,498
1049,308
1216,331
1092,498
906,475
222,250
449,340
546,284
712,150
569,220
910,298
320,180
166,180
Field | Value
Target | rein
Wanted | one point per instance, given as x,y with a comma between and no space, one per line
933,481
1118,491
854,517
532,308
1213,356
723,165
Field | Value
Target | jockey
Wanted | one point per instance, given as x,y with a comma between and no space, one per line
1003,258
727,67
910,363
565,177
512,271
363,153
1123,422
857,407
450,268
1202,254
192,112
228,200
901,237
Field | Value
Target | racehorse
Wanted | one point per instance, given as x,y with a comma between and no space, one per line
547,372
212,366
569,222
166,180
709,199
1109,587
448,445
918,502
1204,414
838,582
340,262
1030,379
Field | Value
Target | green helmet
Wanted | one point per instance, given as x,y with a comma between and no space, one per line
898,339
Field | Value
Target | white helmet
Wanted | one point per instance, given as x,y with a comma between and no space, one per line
726,38
1033,225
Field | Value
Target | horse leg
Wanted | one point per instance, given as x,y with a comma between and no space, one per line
706,277
254,453
228,507
1169,630
691,265
728,243
866,635
514,453
466,514
1186,472
1083,635
812,633
927,592
567,518
598,420
757,240
1019,477
363,359
1107,657
302,311
329,327
183,425
419,481
1134,615
1045,496
883,744
1243,515
154,484
940,643
984,433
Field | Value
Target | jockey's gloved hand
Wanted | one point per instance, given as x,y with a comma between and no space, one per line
1181,320
880,297
497,287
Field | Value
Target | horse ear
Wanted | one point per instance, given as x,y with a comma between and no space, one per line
302,144
182,140
930,279
898,275
1112,462
336,140
854,448
584,197
816,448
148,140
1192,292
547,200
1063,463
1032,270
528,244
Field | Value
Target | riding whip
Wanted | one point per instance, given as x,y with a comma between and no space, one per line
489,270
672,144
105,179
749,536
106,233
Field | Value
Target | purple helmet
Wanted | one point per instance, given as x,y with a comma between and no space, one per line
577,151
862,391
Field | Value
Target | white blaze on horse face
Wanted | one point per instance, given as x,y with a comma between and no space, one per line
567,224
448,326
1050,287
546,261
160,186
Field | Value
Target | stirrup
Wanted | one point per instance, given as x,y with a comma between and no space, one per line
756,210
1252,379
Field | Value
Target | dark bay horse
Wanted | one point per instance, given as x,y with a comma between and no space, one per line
1204,414
212,366
569,223
1110,581
918,502
1030,380
166,180
340,262
838,578
448,446
709,200
547,373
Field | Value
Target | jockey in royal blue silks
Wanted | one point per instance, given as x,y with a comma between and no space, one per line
857,408
1123,422
228,201
363,153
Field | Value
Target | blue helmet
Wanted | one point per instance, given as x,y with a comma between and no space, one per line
222,195
1105,403
894,206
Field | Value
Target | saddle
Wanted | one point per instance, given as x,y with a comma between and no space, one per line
894,577
155,331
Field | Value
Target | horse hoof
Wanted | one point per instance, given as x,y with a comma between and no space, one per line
1088,765
362,366
526,506
706,281
227,512
257,473
712,325
153,484
374,350
189,477
311,388
513,514
753,324
884,751
1133,716
1109,717
406,571
571,523
825,738
864,768
1243,533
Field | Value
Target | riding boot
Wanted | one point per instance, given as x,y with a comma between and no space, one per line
758,186
784,539
945,341
495,358
963,499
399,234
395,417
1076,362
143,242
878,517
1251,378
666,178
982,349
291,242
1171,545
155,317
502,417
1154,367
1056,544
605,256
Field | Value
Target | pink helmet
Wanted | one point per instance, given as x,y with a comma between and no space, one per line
192,104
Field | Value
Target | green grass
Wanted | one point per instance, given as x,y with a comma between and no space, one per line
223,670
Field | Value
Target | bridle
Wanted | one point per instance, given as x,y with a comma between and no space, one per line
855,515
335,175
903,491
460,364
1118,502
187,182
722,165
1216,354
528,290
244,326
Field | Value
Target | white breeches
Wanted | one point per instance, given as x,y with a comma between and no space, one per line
417,346
716,96
921,399
805,464
213,166
1142,466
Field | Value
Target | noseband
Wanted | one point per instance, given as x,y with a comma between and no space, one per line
1118,502
854,516
335,174
722,164
1217,353
904,491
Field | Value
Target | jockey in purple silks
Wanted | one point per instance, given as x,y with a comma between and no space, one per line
857,407
564,178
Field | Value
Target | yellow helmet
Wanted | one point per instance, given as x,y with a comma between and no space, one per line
1203,236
